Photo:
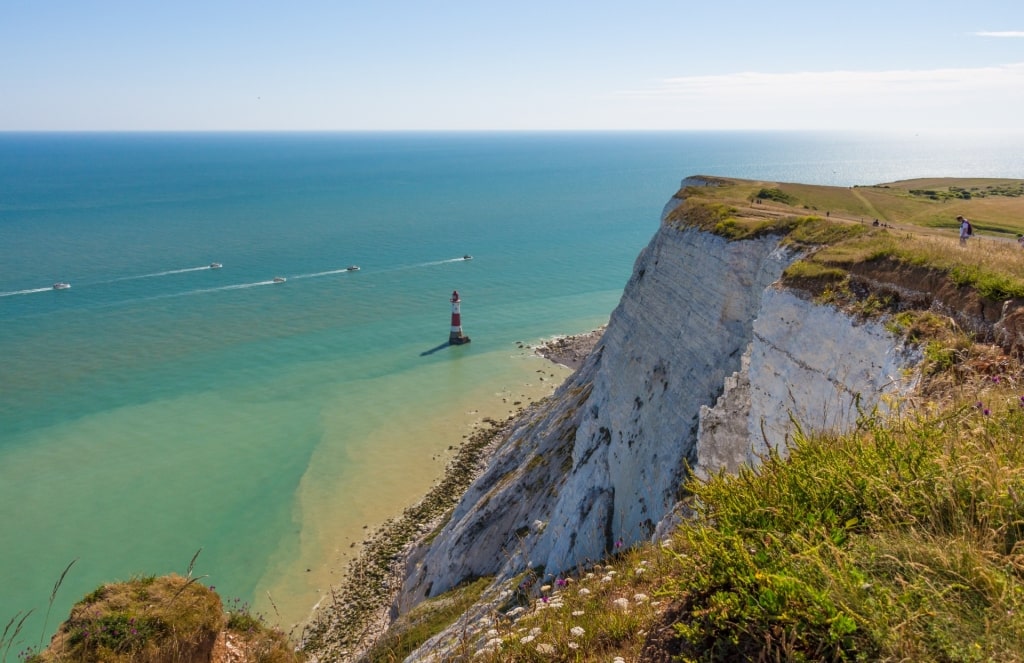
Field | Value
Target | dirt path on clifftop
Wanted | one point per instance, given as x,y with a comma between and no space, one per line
867,203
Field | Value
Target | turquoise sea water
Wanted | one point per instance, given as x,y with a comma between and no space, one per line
159,406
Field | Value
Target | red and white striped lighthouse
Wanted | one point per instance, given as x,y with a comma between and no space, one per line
456,337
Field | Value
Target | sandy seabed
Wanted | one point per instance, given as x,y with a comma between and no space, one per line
377,563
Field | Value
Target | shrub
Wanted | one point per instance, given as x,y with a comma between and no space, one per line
777,195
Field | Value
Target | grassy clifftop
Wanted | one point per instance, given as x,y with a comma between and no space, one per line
993,205
900,540
888,248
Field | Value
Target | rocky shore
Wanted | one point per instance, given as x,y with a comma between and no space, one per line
570,350
357,611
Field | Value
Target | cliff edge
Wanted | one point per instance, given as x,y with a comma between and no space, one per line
737,329
603,463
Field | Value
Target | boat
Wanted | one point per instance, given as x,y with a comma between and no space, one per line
467,257
279,279
215,265
61,285
352,268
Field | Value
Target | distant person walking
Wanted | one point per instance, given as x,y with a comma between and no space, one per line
965,230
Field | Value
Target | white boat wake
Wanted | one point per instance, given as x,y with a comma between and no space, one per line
200,291
164,273
237,286
431,263
25,292
343,270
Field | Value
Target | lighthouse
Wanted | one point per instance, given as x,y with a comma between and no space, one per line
456,336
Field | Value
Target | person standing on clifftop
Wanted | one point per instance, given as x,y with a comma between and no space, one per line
965,230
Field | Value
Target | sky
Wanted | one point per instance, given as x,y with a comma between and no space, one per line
384,65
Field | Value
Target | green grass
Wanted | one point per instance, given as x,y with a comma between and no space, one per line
139,620
424,621
993,205
898,542
804,269
155,619
777,195
994,269
902,540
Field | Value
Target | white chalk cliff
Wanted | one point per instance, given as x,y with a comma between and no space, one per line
705,363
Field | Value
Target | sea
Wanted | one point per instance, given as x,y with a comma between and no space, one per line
164,415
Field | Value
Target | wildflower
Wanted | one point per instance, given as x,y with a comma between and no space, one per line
618,544
545,648
573,645
979,405
561,582
584,591
578,613
986,412
621,604
493,633
639,570
527,639
641,598
995,378
577,631
545,588
606,579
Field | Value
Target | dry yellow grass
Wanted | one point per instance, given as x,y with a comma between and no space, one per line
995,206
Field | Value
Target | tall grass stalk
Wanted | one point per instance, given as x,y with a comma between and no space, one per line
53,595
9,637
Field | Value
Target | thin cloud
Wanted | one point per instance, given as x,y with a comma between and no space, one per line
960,97
855,84
1010,33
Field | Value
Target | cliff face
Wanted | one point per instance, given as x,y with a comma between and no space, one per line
805,362
702,364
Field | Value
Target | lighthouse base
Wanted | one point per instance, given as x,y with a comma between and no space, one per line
458,339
